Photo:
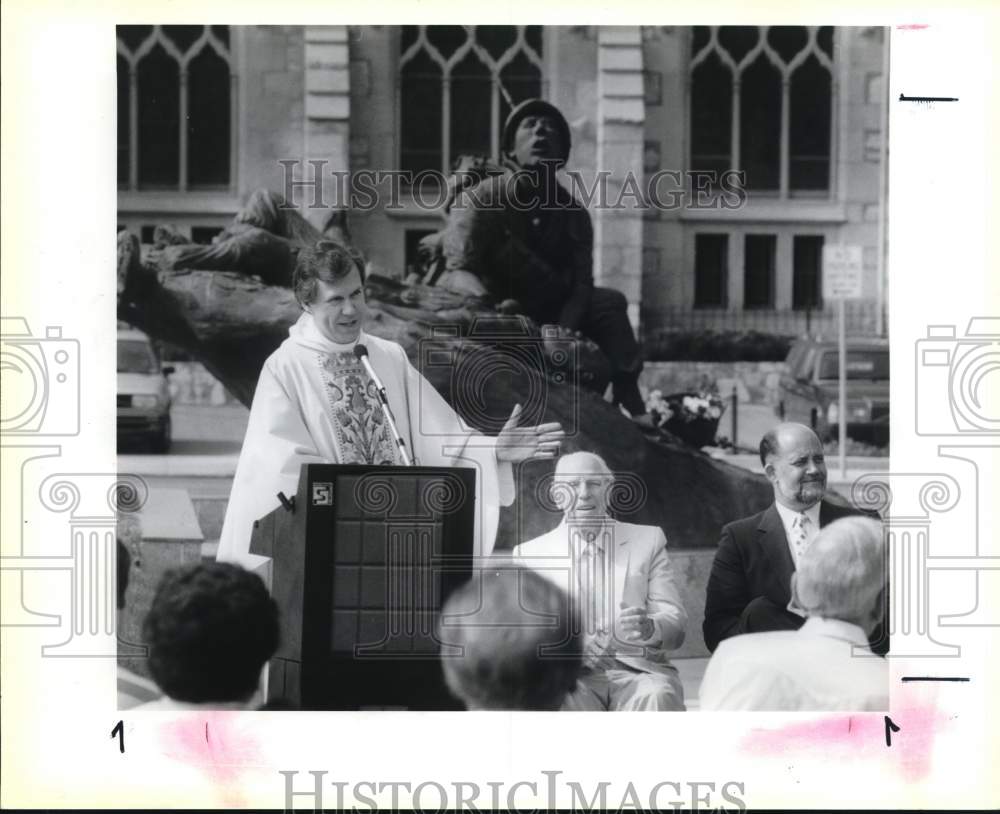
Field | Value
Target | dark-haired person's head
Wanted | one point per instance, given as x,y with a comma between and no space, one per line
329,284
210,630
510,642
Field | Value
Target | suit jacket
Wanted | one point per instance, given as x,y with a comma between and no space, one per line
824,665
753,559
642,576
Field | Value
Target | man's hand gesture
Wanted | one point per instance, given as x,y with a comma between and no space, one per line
516,443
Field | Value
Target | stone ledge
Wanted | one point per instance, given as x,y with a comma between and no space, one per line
621,59
618,35
168,516
326,33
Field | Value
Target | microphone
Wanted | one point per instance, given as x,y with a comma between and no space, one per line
361,353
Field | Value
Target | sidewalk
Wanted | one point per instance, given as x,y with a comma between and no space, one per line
691,671
206,443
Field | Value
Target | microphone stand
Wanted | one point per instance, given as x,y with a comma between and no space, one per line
361,352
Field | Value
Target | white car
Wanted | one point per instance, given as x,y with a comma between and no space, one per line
143,392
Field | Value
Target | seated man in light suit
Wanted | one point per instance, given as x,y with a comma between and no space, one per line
620,577
826,664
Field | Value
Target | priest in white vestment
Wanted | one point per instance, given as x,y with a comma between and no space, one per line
315,403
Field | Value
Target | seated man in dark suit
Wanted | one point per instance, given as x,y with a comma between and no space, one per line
749,589
510,640
826,664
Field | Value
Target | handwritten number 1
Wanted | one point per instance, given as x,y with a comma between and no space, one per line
890,727
119,730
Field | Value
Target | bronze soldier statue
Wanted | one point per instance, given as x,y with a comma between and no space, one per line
518,234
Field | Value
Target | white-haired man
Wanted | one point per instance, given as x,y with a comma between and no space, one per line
826,664
622,581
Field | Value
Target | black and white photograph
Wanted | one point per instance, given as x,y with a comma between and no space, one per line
576,277
474,379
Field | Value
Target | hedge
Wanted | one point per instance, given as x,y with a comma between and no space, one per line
716,346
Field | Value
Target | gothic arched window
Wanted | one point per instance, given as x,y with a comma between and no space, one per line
175,107
762,102
456,87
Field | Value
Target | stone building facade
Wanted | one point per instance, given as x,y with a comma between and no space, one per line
209,113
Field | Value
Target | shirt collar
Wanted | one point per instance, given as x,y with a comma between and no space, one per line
604,528
834,629
788,515
305,333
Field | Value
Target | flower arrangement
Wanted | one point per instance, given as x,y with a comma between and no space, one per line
692,417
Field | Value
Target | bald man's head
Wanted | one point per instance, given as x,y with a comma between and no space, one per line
582,462
793,461
581,486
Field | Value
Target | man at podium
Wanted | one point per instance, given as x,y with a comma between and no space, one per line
316,402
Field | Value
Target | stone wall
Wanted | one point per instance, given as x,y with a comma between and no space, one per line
862,91
691,570
850,214
272,98
621,113
168,537
380,233
753,380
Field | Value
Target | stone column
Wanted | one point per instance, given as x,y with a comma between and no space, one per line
621,115
328,115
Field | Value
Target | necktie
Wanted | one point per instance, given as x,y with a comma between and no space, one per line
593,596
801,529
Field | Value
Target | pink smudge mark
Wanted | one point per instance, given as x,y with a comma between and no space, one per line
216,743
913,27
861,735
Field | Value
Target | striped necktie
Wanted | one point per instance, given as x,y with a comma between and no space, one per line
591,585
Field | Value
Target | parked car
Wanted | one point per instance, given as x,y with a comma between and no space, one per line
808,392
143,392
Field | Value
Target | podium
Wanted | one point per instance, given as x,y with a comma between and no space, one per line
363,558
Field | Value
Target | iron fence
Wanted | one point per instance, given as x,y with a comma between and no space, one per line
860,317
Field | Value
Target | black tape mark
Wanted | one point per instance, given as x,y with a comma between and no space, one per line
904,98
935,678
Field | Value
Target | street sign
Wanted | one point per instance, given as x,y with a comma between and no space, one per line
841,272
841,281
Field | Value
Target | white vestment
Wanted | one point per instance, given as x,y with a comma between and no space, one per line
315,403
